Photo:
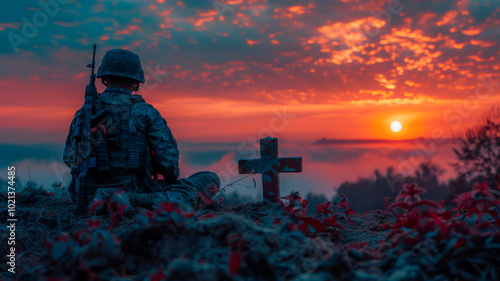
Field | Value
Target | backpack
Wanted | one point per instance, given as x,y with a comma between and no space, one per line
114,147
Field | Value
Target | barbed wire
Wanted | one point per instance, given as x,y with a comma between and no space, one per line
208,200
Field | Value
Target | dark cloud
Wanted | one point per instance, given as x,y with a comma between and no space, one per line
13,153
336,155
325,167
481,10
305,54
201,49
203,158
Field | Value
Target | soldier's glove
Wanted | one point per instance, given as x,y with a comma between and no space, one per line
151,200
144,200
122,199
99,205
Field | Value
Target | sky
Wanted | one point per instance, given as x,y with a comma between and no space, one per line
326,164
234,71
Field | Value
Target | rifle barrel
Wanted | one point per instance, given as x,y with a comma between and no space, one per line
92,65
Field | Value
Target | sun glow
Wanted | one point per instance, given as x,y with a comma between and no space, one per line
396,126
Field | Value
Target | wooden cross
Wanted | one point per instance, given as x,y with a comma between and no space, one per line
270,165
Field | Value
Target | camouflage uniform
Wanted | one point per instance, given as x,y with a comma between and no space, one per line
143,146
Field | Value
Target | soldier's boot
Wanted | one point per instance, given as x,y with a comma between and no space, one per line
206,184
151,200
189,193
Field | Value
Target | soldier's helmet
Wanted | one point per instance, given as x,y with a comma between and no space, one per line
124,63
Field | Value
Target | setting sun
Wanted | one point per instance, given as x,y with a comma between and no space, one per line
396,126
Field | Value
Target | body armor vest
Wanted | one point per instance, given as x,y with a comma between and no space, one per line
115,149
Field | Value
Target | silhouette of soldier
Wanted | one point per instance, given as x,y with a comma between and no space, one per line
132,144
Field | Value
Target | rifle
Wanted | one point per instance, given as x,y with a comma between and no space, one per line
82,140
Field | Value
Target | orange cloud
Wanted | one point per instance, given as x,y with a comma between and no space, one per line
252,42
448,18
472,31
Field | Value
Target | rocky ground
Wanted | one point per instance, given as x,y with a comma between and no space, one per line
411,239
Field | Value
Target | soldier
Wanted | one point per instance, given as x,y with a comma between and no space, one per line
131,145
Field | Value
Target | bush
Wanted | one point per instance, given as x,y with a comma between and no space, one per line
478,151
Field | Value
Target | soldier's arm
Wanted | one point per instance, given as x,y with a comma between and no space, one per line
164,145
69,156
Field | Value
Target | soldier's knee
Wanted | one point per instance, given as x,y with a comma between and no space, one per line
206,178
216,179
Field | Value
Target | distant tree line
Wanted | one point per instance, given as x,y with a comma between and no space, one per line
368,193
478,160
478,152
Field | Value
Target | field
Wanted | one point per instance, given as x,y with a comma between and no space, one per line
411,239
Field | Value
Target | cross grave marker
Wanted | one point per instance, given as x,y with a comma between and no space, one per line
270,165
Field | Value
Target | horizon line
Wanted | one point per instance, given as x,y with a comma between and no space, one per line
322,141
327,141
